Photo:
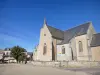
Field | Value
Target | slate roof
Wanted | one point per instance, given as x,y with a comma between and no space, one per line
67,35
56,33
95,40
76,31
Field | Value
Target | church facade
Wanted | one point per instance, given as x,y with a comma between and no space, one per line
75,44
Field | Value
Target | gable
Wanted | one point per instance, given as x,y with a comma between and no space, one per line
45,30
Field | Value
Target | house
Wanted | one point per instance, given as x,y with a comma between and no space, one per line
75,44
1,54
6,53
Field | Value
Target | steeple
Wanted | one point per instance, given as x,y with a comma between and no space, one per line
45,22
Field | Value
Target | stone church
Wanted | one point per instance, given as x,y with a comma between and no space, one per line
80,43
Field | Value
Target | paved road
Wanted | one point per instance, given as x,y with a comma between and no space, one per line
21,69
28,69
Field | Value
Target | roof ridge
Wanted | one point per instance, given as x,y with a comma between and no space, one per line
57,33
55,28
78,26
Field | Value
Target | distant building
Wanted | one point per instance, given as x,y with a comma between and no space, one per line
30,55
6,53
1,54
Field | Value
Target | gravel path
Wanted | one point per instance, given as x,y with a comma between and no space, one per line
28,69
91,71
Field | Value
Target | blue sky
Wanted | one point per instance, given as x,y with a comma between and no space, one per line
21,20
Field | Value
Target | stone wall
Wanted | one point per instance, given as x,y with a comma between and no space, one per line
84,54
74,64
45,38
67,56
95,53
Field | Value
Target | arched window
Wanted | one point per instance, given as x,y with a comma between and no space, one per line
63,50
80,46
44,49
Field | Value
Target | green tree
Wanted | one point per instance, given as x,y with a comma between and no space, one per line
18,53
22,57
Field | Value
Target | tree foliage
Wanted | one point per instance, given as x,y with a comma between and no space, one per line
18,53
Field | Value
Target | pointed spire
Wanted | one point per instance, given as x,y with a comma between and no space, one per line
45,22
